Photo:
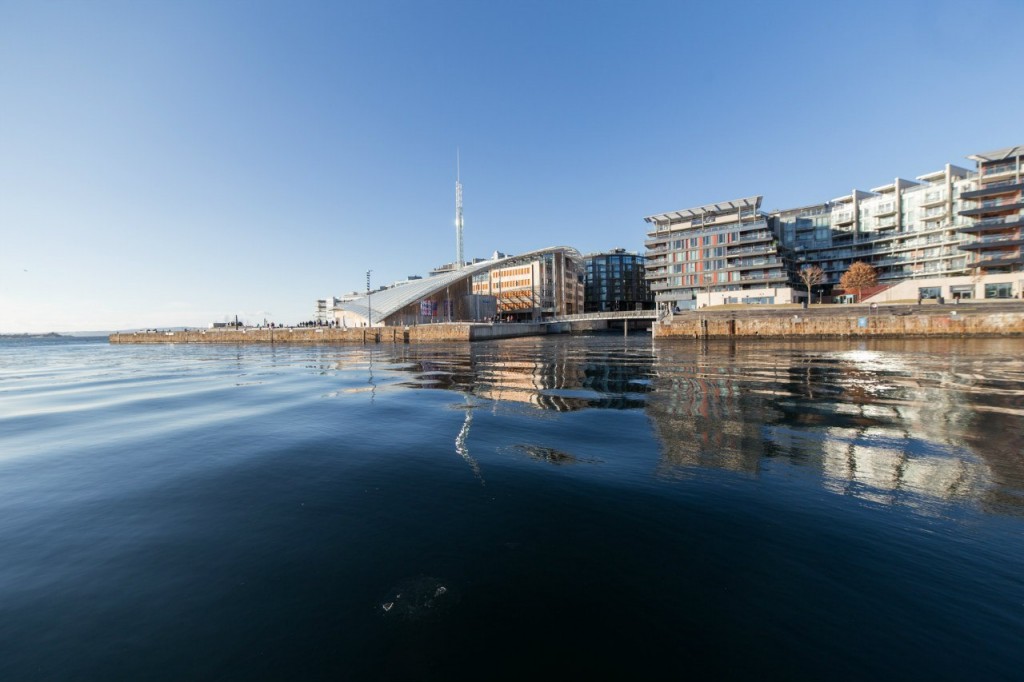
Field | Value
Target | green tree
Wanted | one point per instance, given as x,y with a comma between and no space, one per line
858,277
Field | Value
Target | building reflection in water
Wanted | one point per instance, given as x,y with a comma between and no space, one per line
701,411
895,422
892,421
562,377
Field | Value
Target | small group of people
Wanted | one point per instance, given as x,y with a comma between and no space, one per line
319,323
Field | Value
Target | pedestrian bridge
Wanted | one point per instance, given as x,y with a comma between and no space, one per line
606,316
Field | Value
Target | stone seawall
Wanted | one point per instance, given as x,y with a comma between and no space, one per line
905,323
828,322
426,333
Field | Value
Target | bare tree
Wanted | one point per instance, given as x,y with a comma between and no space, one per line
811,275
858,277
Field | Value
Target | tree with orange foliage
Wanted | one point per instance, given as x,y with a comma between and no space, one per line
858,277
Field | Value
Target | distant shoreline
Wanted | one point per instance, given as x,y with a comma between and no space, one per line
48,335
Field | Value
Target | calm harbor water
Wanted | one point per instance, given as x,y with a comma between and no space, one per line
556,508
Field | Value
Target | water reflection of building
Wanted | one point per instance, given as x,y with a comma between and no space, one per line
895,426
879,464
543,375
700,413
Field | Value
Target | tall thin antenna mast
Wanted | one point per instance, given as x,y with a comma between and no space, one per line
459,259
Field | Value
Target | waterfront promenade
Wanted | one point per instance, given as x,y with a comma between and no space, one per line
969,319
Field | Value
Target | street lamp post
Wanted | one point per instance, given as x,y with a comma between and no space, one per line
369,304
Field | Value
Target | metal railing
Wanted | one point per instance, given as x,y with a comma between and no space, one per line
609,315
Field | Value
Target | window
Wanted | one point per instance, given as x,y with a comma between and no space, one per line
1000,290
928,292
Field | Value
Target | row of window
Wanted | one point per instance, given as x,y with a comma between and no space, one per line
997,290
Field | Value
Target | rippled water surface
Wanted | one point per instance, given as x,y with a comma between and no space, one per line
556,508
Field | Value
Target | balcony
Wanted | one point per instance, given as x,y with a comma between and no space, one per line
1003,258
753,263
994,189
933,199
994,224
767,248
998,169
768,277
994,241
997,206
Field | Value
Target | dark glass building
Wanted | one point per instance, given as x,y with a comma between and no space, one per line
615,281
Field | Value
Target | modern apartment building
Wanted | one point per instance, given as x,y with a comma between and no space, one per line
715,254
904,229
951,223
615,280
994,210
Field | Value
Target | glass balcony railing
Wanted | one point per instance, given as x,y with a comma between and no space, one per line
998,168
993,188
748,249
753,262
756,236
995,203
999,257
1002,183
996,239
762,276
987,222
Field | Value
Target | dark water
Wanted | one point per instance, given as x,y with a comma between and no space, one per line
565,508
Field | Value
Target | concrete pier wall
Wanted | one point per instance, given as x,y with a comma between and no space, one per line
426,333
862,323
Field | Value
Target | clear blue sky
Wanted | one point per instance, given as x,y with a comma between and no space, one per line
175,163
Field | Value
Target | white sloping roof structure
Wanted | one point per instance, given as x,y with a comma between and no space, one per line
385,303
999,154
721,207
